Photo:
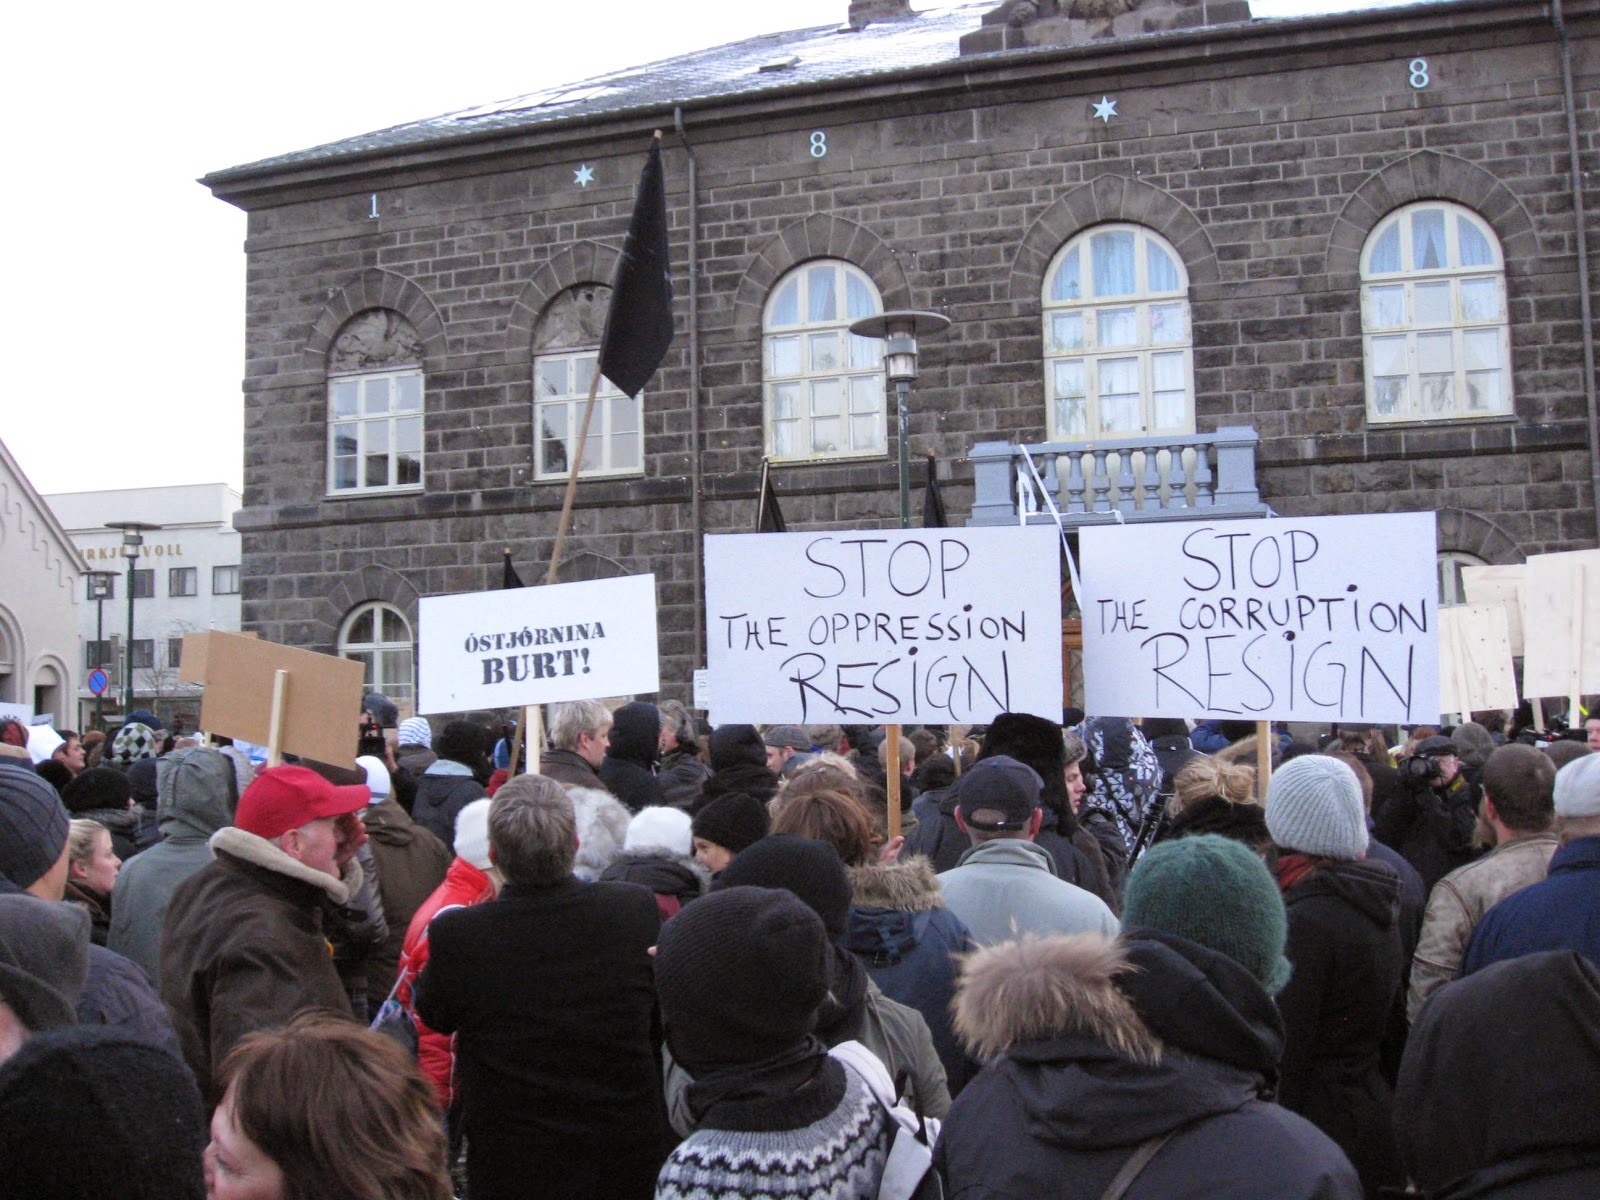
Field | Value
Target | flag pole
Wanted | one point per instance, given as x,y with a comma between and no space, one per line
565,521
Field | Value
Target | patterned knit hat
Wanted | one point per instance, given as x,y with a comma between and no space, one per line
1314,806
1217,892
33,825
733,821
740,974
415,731
133,742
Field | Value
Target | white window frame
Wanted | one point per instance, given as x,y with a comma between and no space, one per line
373,653
794,381
374,429
612,411
1448,564
1390,316
1137,314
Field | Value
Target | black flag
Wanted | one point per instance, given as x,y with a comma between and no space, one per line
639,322
511,579
933,515
768,517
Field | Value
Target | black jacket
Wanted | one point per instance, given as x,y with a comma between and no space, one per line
440,799
629,768
1430,827
550,994
1344,946
1059,1117
1499,1092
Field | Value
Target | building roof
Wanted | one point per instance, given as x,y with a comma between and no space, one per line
771,62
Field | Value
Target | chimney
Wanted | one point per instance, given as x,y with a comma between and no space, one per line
865,12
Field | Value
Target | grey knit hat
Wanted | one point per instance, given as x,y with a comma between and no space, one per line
44,960
1577,792
1314,806
33,825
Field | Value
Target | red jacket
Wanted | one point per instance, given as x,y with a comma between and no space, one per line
464,885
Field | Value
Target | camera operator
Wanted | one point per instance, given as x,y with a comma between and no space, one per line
1431,820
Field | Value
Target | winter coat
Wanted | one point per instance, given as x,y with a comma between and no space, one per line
443,791
1122,771
1499,1093
1432,829
1006,887
464,885
411,864
1059,1116
602,829
414,758
675,879
908,941
198,789
1344,946
117,994
1458,903
1561,913
629,768
244,947
569,769
680,779
550,993
98,907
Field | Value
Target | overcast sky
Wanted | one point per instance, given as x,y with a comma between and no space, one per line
124,298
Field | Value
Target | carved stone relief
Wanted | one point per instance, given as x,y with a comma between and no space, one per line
374,340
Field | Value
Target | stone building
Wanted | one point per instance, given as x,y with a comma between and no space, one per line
1352,244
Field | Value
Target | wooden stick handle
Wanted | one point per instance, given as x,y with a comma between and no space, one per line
1263,757
280,699
565,521
892,768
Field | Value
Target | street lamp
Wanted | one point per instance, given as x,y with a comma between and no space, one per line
132,538
899,332
99,592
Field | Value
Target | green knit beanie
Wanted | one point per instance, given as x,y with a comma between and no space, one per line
1217,892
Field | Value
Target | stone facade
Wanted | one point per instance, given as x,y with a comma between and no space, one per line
1264,152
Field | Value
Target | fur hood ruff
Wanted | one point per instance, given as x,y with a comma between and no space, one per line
261,853
909,885
1038,988
602,824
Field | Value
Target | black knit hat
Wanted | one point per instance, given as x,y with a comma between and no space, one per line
733,821
97,1111
98,787
812,870
736,744
1036,743
33,825
465,742
740,974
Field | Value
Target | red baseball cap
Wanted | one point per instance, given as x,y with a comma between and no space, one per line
285,798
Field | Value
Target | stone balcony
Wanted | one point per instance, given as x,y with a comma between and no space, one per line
1187,477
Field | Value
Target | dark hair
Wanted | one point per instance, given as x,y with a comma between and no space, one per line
341,1110
835,817
1363,776
1521,782
465,742
1562,752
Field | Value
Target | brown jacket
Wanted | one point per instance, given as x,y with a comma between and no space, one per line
243,949
1458,902
411,863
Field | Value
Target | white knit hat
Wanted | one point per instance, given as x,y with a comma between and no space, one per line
1314,806
377,777
472,834
1578,787
667,828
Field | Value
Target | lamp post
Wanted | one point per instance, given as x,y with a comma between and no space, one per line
899,331
132,538
99,591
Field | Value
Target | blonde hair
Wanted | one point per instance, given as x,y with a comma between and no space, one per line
82,836
1205,777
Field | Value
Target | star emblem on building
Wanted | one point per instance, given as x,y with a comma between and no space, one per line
583,176
1106,109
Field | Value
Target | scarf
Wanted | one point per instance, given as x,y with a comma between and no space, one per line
1293,867
772,1079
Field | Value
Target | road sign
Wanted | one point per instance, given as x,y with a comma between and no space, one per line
98,682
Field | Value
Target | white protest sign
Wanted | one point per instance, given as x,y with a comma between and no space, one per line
537,645
16,712
1295,619
913,626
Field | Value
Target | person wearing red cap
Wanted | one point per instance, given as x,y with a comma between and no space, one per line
243,945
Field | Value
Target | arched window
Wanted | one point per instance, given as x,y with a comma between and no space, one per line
824,385
1117,352
1433,316
378,635
1451,589
375,405
566,348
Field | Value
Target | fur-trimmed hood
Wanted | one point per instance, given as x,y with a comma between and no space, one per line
663,871
909,885
602,824
259,852
1039,988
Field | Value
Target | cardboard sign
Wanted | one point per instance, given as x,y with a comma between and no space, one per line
1475,659
1561,624
1297,619
926,626
192,664
322,703
537,645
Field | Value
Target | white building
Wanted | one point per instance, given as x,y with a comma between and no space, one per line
40,572
186,580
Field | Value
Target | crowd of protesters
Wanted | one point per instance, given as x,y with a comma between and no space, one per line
1096,960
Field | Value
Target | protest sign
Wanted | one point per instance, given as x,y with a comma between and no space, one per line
196,647
286,699
1500,585
1475,659
1561,624
16,712
926,626
1297,619
537,645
